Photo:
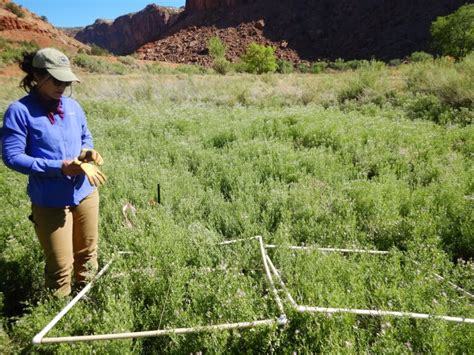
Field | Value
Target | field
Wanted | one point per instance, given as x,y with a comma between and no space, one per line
377,158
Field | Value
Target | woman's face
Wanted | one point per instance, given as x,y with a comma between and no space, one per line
51,88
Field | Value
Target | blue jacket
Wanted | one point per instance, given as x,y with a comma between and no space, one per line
32,145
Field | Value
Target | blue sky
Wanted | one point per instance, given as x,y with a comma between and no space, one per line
72,13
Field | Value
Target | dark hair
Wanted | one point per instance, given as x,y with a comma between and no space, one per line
26,64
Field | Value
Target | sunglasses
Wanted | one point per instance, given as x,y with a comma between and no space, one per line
57,82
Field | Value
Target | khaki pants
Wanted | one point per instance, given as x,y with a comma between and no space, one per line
68,237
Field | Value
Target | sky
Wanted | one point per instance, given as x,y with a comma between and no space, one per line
74,13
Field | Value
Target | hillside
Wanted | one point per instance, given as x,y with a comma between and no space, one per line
27,26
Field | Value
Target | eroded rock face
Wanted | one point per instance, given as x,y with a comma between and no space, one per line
129,32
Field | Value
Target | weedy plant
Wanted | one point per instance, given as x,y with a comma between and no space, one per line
332,159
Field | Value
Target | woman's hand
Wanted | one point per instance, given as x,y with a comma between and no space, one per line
69,168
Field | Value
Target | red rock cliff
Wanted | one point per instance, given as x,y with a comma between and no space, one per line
127,33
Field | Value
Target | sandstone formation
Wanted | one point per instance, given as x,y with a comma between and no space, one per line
300,30
129,32
31,27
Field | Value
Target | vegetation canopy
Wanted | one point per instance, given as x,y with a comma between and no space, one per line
454,34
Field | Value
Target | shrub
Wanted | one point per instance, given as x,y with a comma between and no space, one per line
221,66
127,60
454,34
44,19
395,62
13,53
216,48
260,59
96,50
15,9
304,68
339,64
285,67
97,65
318,67
447,82
420,56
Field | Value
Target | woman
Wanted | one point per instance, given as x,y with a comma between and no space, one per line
45,136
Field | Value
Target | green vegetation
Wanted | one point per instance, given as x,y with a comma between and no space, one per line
375,157
15,9
421,56
454,34
259,59
217,51
12,52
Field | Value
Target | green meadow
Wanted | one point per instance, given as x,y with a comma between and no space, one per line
374,158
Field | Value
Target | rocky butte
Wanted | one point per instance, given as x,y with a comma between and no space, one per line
299,29
128,32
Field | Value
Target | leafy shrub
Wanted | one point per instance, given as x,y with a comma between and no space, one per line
318,67
216,48
420,56
454,34
15,9
285,67
221,66
441,92
13,52
304,68
339,64
259,59
44,19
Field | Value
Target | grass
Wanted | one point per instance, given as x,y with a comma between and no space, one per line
327,159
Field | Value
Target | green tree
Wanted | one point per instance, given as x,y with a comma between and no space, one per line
259,59
454,34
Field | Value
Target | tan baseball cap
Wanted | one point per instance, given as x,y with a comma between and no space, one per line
56,63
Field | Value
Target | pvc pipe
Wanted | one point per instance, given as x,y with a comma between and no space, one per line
330,250
380,313
269,277
453,285
237,240
38,338
156,333
283,286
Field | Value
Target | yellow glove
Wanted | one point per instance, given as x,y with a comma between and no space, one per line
94,175
90,155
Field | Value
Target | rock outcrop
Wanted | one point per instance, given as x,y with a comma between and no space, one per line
300,30
127,33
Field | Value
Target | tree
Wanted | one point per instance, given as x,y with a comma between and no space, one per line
259,59
454,34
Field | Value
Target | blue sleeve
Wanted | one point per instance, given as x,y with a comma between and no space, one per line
86,136
15,132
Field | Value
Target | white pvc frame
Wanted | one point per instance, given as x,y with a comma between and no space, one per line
41,338
270,272
368,312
